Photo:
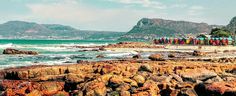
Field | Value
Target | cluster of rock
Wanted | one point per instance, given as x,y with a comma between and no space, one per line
132,45
122,78
173,56
15,51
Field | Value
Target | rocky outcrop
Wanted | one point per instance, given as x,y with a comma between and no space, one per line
132,45
149,29
124,77
15,51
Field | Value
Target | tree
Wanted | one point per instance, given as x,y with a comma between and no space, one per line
201,36
217,32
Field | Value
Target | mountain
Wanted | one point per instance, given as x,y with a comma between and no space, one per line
31,30
147,29
232,25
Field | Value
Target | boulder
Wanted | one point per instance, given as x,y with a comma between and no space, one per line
15,51
139,79
197,74
187,92
138,56
198,53
35,93
145,67
75,78
222,88
156,57
172,55
51,88
125,93
100,56
96,88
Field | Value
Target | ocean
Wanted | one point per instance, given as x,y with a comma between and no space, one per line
54,52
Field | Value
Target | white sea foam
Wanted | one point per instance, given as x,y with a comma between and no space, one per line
119,54
9,45
83,44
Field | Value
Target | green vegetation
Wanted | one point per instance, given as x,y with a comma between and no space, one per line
220,32
201,36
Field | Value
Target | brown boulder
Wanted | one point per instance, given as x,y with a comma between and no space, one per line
197,74
198,53
145,67
35,93
96,89
172,55
222,88
139,79
138,56
15,51
156,57
51,88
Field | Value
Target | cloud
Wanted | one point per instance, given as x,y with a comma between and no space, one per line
196,10
85,16
143,3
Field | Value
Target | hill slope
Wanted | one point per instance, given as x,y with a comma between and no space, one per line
147,29
29,30
232,25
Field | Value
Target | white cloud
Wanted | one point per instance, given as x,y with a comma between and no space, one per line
84,16
196,10
143,3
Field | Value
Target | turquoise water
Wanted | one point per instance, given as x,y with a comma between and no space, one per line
52,52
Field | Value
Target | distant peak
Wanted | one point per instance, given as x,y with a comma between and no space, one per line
17,22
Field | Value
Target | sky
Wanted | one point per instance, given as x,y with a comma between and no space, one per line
115,15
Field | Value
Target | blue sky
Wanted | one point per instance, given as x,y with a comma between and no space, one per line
115,15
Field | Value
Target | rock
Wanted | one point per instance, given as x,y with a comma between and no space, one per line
115,81
138,56
105,78
15,51
172,55
156,57
96,89
35,93
123,87
139,79
102,49
198,53
75,78
113,93
187,92
125,93
61,93
222,88
214,79
51,88
133,83
177,78
145,67
100,56
197,74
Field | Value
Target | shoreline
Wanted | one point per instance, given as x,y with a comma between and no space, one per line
168,71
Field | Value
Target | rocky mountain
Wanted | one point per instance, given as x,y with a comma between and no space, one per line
232,25
147,29
30,30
